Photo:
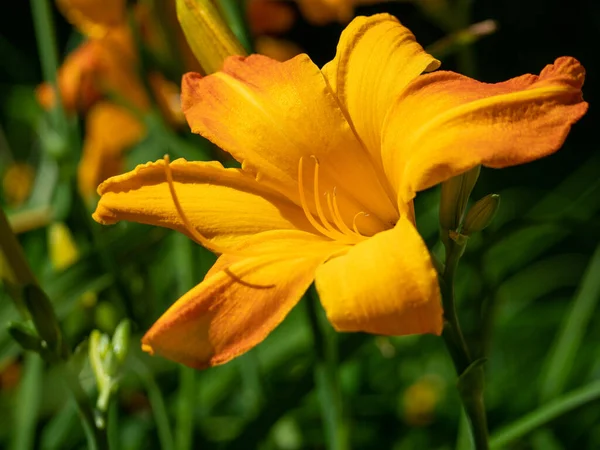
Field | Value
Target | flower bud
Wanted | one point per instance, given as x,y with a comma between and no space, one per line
208,36
455,195
120,340
25,337
481,214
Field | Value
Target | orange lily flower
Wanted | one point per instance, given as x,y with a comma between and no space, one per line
331,162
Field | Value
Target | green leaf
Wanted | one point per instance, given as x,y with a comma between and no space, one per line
541,416
562,355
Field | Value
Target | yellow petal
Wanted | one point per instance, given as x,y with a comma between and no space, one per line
110,130
269,114
377,57
385,285
446,123
240,303
225,205
93,17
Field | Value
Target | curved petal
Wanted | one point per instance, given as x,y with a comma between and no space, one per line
75,80
110,130
377,57
93,17
385,285
446,123
239,302
269,114
225,205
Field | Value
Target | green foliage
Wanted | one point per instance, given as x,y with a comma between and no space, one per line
531,278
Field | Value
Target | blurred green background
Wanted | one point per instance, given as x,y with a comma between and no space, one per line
537,270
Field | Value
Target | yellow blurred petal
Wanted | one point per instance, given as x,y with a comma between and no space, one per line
62,248
384,285
225,205
93,17
237,306
289,113
17,182
209,37
445,123
110,130
377,57
117,73
168,98
103,66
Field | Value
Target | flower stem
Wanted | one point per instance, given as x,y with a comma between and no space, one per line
470,372
327,379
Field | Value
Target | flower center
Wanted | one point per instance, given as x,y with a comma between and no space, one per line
334,228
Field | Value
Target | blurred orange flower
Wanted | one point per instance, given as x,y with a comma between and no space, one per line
105,64
331,162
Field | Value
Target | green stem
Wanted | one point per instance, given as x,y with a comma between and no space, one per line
183,261
46,42
470,372
28,403
13,253
157,403
97,438
327,379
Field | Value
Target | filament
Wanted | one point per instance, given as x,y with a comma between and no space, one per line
304,205
343,233
362,213
186,223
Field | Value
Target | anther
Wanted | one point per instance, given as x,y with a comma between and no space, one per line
354,227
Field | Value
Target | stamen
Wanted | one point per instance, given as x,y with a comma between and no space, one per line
324,231
335,213
317,193
188,226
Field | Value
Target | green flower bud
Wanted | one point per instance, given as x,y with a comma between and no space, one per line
120,340
455,195
25,337
208,36
481,214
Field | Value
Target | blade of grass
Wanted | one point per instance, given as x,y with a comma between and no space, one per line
159,410
46,41
28,403
548,412
560,359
